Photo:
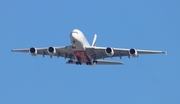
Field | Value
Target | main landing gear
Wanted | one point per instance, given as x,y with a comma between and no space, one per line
95,62
88,63
78,63
70,61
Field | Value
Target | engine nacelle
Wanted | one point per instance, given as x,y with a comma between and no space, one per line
109,51
51,51
33,51
133,53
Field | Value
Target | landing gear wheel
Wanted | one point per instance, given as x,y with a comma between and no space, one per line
78,63
95,61
70,61
88,63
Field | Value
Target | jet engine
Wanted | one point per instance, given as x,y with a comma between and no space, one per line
133,53
109,51
51,51
33,51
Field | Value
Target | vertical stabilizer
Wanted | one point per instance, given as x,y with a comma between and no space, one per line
94,40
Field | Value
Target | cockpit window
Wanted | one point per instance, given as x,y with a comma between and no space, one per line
75,32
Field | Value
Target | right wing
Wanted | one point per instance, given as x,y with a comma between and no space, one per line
99,52
64,51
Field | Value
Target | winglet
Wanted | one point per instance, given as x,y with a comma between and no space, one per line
13,50
94,40
164,52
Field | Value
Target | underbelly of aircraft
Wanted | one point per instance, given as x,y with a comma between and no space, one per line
81,56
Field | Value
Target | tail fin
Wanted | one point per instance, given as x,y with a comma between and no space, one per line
94,40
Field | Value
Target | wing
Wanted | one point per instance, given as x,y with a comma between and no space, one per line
64,51
99,52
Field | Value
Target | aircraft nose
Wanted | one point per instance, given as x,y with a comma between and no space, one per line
73,34
75,31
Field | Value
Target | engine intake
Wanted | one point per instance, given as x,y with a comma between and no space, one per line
133,52
51,51
109,51
33,51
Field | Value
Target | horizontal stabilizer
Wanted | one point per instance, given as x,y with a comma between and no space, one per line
101,62
104,62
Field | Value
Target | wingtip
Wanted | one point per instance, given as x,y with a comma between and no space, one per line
121,63
164,52
13,50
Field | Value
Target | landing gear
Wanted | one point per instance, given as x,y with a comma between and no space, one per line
74,62
70,61
88,63
95,62
78,63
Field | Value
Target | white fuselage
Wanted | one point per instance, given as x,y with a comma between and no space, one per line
79,41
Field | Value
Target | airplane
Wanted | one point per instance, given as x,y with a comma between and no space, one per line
81,52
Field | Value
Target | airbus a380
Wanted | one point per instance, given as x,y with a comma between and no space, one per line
81,52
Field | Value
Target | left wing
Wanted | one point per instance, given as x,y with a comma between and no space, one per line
64,51
104,52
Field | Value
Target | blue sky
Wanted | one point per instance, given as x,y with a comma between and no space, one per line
148,79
